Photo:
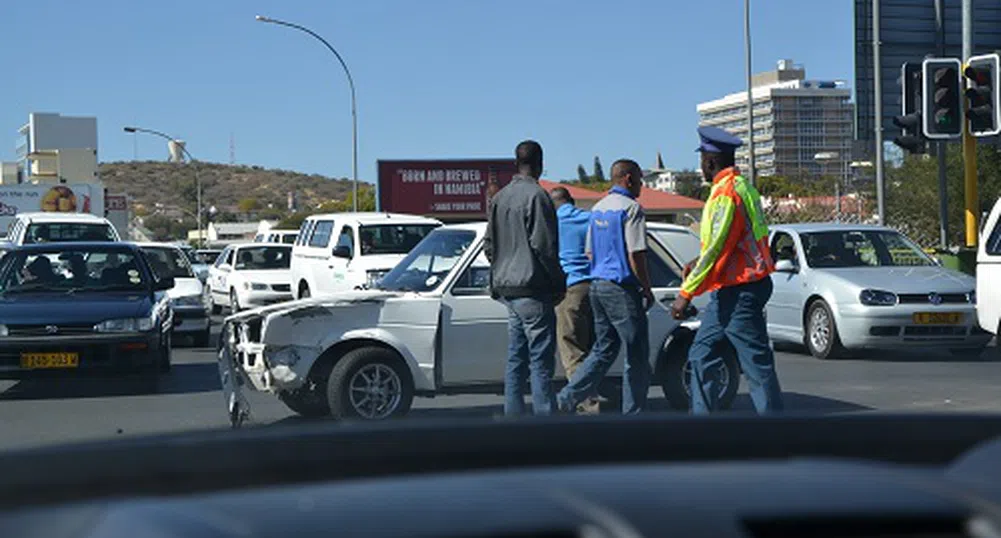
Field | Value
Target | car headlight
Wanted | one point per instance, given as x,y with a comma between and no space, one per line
188,300
256,286
877,298
124,325
373,277
972,297
3,330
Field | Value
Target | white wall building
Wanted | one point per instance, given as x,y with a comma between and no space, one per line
48,132
794,120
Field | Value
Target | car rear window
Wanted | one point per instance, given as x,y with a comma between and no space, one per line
53,232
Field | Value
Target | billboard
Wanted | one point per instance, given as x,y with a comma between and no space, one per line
69,198
442,188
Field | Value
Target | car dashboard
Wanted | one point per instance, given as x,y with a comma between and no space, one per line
574,485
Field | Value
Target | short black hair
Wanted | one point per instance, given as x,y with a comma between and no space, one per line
622,167
529,153
561,194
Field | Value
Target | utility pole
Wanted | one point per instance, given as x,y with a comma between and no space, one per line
751,168
969,142
940,147
878,89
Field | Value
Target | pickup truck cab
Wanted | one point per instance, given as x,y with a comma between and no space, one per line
428,327
346,251
989,273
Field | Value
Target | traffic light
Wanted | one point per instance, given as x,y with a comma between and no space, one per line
942,104
984,94
911,138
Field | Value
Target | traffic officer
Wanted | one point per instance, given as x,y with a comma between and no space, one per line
734,266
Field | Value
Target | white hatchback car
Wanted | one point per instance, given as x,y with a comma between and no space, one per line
250,275
346,251
430,327
989,273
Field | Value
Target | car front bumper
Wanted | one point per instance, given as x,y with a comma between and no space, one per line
253,298
894,327
98,353
189,320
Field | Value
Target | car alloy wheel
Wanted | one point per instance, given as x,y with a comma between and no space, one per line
820,329
719,369
375,391
234,302
822,338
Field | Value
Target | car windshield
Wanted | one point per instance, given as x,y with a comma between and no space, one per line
862,248
429,262
392,239
72,270
168,262
53,232
207,257
263,258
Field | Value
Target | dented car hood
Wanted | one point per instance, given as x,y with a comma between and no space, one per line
306,308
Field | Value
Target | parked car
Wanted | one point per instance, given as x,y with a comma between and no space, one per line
187,298
841,287
83,307
325,258
286,237
989,273
429,327
249,275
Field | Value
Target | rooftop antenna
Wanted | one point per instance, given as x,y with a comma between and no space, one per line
232,148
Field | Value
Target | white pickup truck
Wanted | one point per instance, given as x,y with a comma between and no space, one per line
429,328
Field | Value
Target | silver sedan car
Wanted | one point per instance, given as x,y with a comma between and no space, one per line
840,287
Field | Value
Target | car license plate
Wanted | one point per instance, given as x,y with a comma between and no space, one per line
937,318
50,360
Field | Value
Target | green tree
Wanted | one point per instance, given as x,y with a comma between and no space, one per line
599,172
582,174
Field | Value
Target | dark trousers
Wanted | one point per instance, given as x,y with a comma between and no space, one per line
735,314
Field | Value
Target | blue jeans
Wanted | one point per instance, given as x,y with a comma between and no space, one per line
735,314
619,317
531,325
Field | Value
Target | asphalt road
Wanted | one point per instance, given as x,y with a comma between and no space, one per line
45,412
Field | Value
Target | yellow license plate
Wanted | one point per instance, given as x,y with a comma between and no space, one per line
938,318
50,360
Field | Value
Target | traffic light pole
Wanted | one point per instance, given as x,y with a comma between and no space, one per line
943,185
969,142
878,90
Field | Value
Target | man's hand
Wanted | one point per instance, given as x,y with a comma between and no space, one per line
688,268
678,307
648,299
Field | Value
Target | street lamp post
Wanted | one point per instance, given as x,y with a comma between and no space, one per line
198,181
351,84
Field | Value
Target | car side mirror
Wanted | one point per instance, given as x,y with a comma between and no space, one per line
163,284
342,252
786,266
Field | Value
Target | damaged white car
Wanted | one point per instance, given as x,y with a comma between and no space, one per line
430,328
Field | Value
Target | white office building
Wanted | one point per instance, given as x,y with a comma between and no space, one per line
57,148
802,128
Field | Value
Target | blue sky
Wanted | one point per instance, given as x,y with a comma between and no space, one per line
435,78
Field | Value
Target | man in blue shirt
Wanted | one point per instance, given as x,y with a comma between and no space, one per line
620,294
574,324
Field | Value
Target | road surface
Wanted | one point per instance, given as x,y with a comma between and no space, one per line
46,412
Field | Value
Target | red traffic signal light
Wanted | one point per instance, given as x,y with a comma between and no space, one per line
983,94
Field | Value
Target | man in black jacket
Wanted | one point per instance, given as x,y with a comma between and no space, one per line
522,244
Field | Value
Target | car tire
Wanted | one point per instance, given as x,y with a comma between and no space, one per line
304,291
674,373
822,339
234,302
369,383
